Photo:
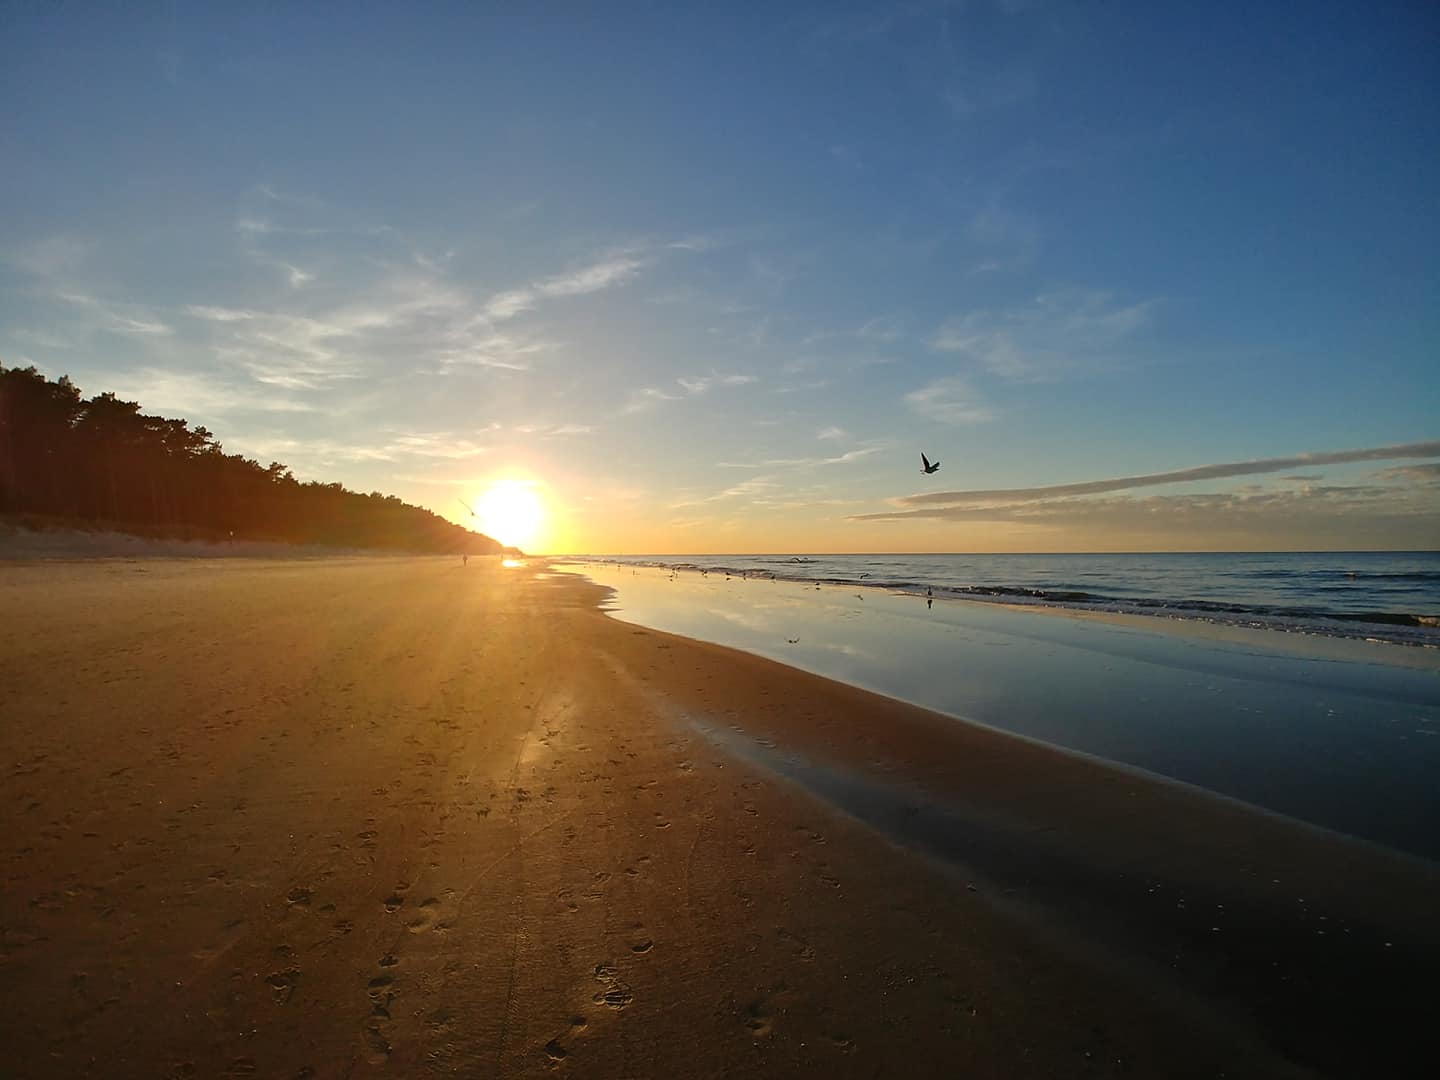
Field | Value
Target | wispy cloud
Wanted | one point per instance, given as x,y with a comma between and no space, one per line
959,504
1056,334
593,278
745,489
607,273
191,393
118,318
752,486
648,397
700,384
645,399
553,431
283,231
846,458
445,445
950,400
832,433
400,447
881,328
290,351
468,346
423,318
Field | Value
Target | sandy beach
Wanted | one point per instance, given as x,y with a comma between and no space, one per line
395,816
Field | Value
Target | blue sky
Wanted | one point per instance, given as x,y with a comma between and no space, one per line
708,280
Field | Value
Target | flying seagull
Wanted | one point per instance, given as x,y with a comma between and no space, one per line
928,466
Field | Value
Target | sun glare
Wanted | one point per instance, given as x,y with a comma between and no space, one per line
513,512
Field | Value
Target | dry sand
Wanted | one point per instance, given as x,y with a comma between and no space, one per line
398,817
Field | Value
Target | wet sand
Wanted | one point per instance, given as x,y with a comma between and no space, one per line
399,817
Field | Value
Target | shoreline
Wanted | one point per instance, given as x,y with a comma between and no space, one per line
390,815
1375,628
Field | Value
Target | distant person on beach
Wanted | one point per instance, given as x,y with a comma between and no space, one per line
464,558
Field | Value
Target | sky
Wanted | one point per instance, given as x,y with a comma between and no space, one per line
635,278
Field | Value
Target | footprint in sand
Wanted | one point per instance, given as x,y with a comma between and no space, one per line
424,917
615,992
375,1040
758,1020
555,1049
282,984
396,900
381,991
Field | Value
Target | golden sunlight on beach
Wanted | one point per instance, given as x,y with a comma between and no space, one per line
513,511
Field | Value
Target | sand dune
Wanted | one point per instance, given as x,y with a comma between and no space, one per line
400,817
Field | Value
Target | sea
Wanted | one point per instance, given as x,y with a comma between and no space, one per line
1381,596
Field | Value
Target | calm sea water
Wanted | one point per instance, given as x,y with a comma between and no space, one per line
1378,595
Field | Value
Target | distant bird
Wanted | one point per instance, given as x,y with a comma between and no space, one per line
928,466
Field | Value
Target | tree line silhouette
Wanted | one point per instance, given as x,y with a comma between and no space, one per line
102,460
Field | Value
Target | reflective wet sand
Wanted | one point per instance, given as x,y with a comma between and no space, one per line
1345,734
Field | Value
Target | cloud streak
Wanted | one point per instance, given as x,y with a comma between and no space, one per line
804,463
605,274
647,397
1315,517
189,392
957,504
112,317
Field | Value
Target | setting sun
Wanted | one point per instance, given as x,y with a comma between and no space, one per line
513,512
